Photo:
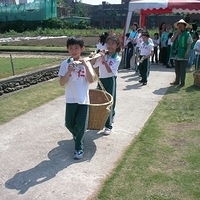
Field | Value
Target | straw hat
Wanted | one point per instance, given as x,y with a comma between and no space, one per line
181,21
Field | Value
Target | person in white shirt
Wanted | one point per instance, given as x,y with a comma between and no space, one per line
130,63
139,41
76,80
197,52
156,42
101,45
146,51
108,65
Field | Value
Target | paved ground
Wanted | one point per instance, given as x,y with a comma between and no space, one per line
36,149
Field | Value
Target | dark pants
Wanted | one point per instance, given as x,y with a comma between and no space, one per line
163,55
144,69
155,54
169,60
110,86
130,53
180,71
76,120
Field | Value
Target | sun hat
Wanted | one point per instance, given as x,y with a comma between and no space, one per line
181,21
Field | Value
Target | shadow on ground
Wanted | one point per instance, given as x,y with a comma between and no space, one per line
59,158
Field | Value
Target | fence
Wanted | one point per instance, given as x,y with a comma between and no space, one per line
37,10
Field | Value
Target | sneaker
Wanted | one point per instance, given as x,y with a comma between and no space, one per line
174,83
107,131
78,154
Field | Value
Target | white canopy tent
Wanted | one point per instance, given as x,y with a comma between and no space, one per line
145,7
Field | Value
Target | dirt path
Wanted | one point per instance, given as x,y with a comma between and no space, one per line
36,149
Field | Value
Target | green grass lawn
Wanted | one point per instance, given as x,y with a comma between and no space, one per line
162,163
39,48
22,65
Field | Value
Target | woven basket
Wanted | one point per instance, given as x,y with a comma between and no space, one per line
196,76
99,109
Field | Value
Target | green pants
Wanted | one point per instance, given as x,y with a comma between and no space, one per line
76,120
110,86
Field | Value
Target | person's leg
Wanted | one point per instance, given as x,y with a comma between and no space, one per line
145,71
183,66
142,72
156,54
70,117
125,56
133,59
191,57
164,55
81,125
129,56
110,86
168,55
177,71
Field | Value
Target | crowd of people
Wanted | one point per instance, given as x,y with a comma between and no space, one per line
177,47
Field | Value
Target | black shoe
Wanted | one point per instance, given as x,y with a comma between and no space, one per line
168,66
174,83
181,85
141,81
145,83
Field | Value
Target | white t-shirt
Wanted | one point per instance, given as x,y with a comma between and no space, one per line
169,42
113,62
156,42
197,46
139,40
146,48
77,88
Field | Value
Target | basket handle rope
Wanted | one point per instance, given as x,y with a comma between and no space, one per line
101,85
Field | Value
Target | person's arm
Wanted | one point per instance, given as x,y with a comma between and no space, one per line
105,64
151,53
89,71
64,79
189,43
173,38
196,46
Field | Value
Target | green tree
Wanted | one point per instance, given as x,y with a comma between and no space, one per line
80,10
62,3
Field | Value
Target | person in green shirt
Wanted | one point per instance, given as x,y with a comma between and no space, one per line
181,46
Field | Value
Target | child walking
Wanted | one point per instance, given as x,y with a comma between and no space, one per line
76,80
146,51
156,42
108,65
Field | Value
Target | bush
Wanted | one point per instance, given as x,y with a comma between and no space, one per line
40,26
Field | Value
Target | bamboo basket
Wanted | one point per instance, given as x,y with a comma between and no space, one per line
196,76
99,108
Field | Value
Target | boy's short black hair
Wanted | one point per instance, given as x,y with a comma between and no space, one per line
146,34
75,40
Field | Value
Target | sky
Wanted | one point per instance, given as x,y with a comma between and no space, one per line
98,2
92,2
